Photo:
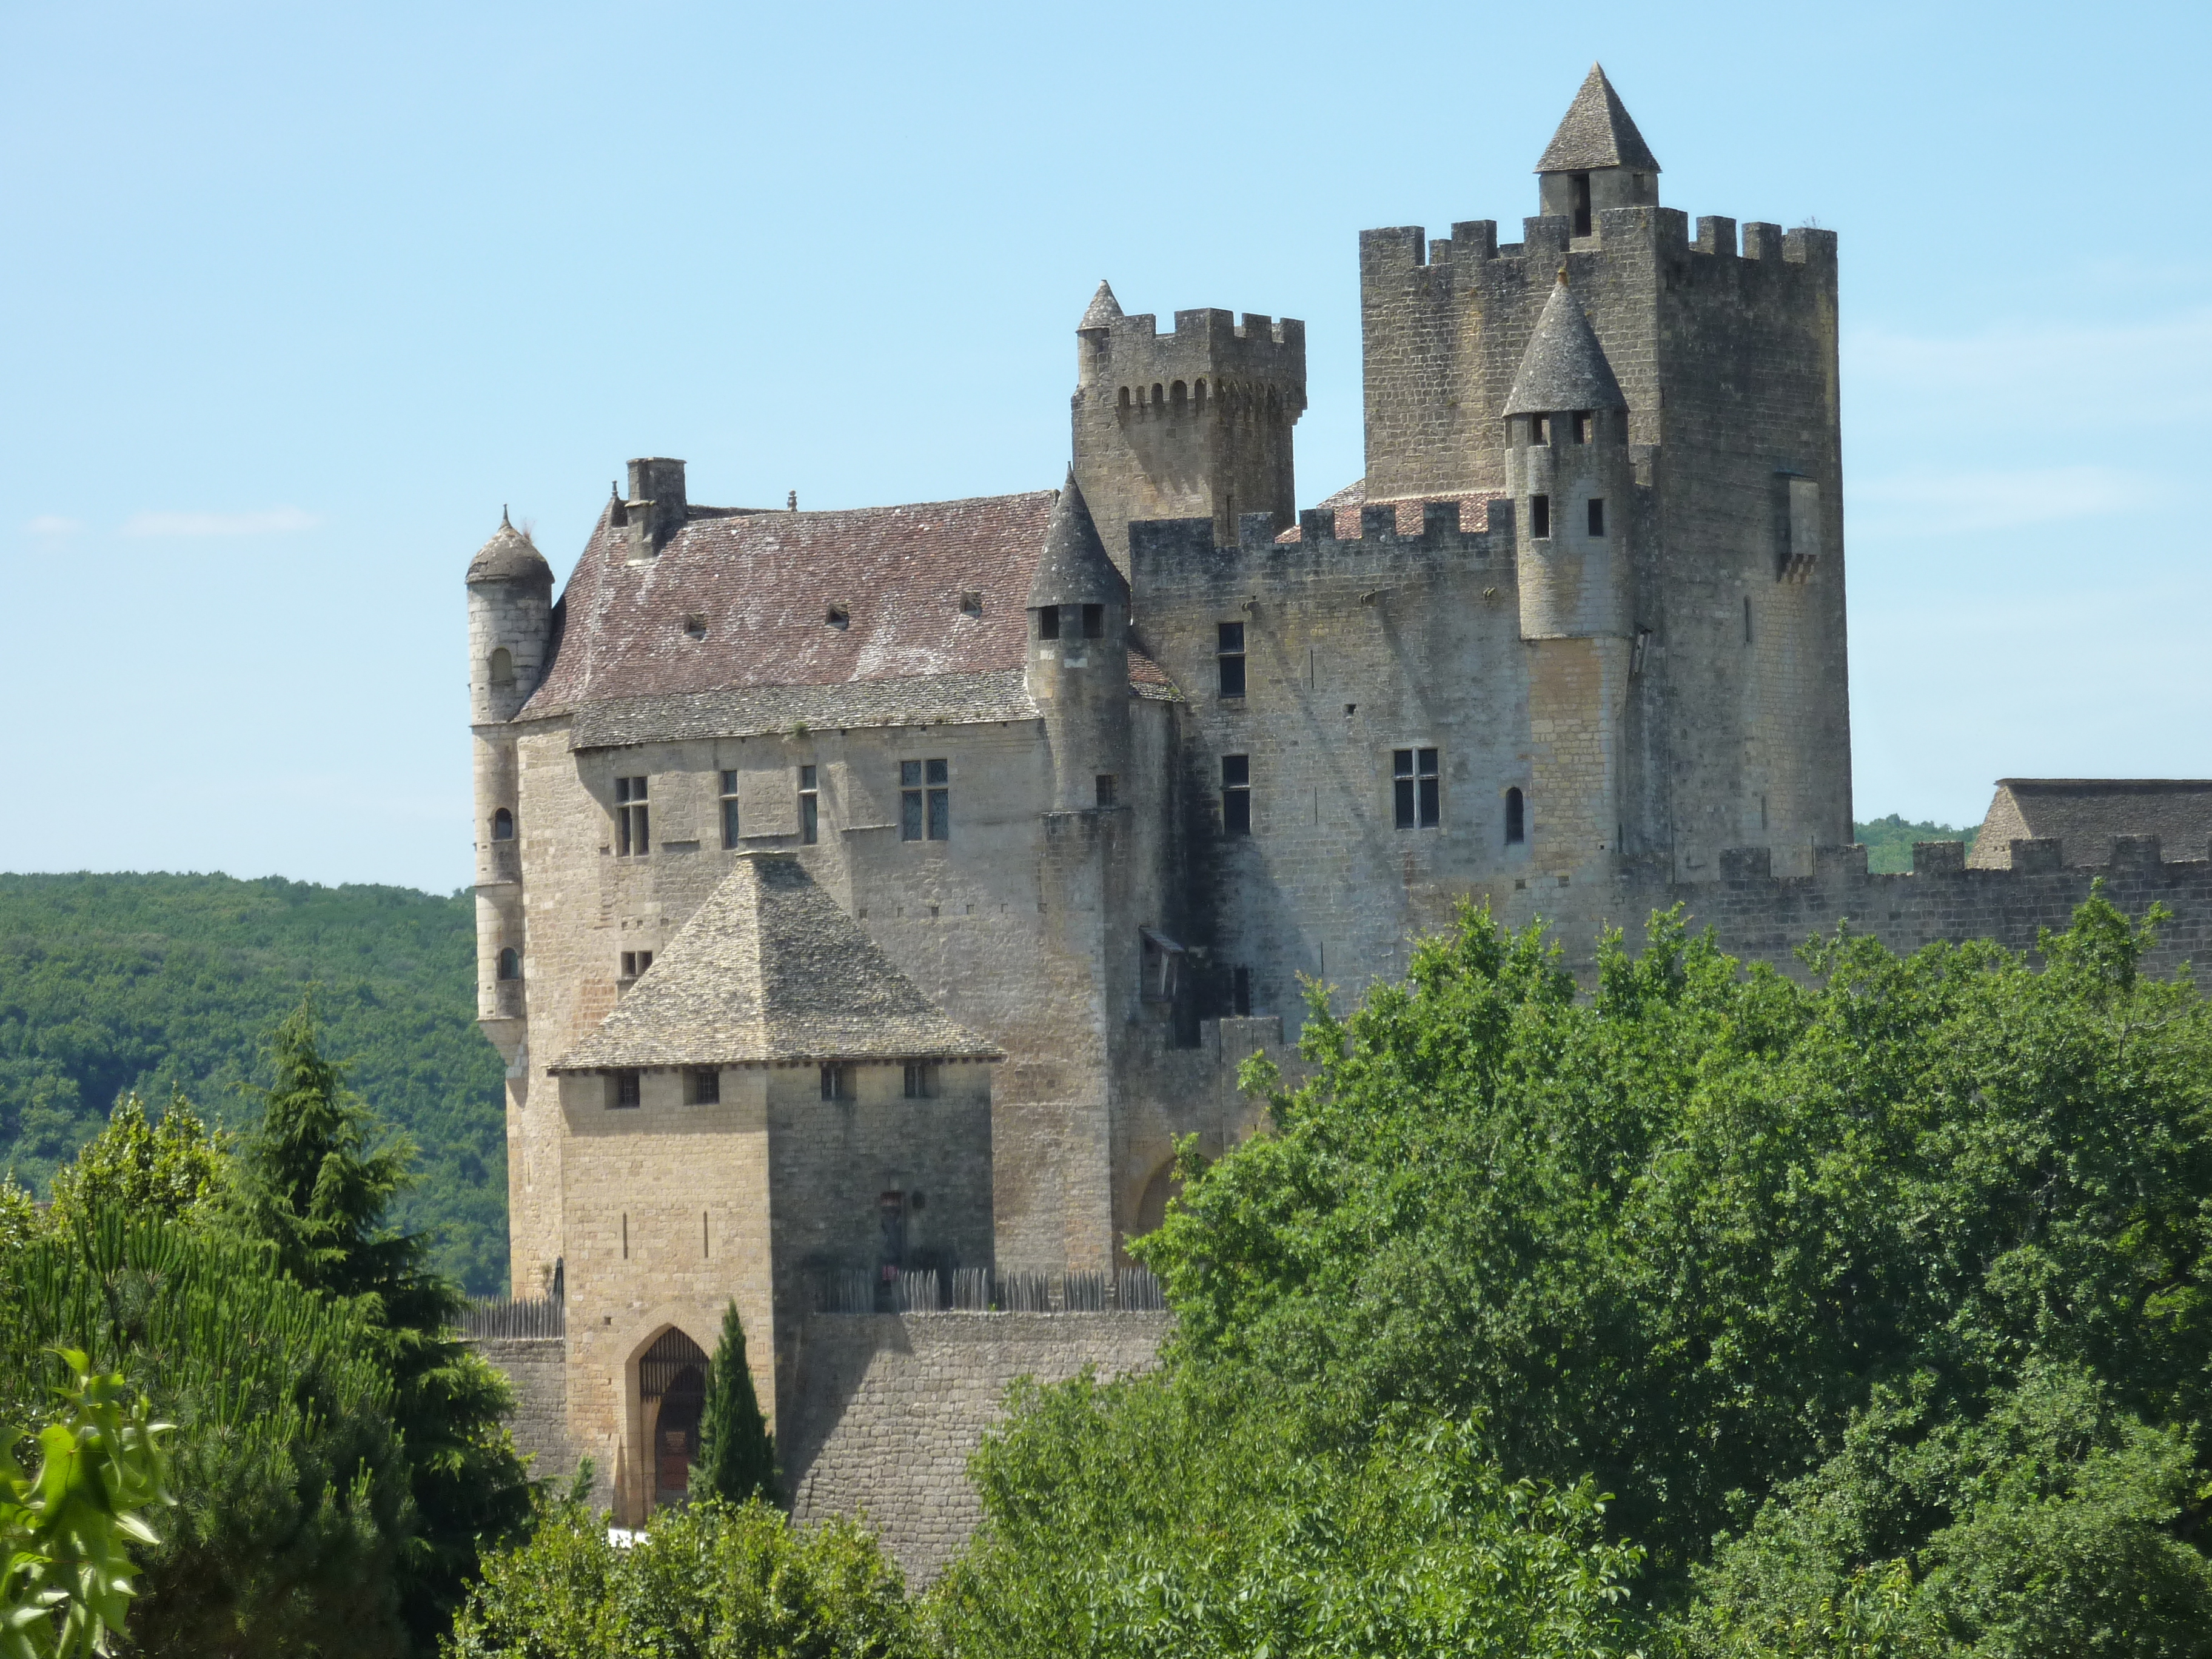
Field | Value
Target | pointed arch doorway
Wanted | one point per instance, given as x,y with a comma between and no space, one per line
672,1386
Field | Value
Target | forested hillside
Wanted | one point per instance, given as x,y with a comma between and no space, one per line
1889,841
113,982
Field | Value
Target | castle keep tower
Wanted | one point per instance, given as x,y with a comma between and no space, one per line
1195,424
1737,710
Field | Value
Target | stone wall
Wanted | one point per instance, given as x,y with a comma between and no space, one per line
889,1406
538,1368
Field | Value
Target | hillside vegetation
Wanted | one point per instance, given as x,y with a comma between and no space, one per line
109,983
1889,841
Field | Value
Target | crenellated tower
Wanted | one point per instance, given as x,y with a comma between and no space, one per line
1195,424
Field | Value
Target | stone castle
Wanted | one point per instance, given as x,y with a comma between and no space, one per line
869,901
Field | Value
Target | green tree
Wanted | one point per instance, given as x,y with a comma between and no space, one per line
172,1168
68,1527
737,1454
711,1580
314,1186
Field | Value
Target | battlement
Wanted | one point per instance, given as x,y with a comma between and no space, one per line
1546,239
1207,349
1169,551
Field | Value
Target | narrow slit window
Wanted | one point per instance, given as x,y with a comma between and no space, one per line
1516,817
1582,426
704,1088
633,834
1417,800
730,825
809,807
920,1080
1229,655
1597,515
1746,619
1094,621
1580,185
629,1092
1240,992
1540,517
1048,622
502,825
1235,794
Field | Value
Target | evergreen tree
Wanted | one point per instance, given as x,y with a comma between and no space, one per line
314,1184
737,1454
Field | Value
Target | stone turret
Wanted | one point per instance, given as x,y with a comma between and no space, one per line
1079,655
510,632
1597,159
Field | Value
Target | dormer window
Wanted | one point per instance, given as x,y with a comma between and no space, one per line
838,617
695,628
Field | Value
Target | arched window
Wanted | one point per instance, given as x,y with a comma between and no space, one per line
1517,818
1125,397
502,825
510,964
502,667
1179,394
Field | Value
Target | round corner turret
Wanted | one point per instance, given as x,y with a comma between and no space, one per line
510,623
1078,651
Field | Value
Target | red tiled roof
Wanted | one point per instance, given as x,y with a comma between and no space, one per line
764,584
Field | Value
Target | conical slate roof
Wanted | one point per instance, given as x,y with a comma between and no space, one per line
769,971
1596,133
1565,367
1075,569
508,556
1104,308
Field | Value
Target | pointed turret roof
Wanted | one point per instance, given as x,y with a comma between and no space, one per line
508,556
1565,367
1075,569
1596,133
1103,308
771,971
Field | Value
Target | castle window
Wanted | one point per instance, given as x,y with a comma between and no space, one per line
501,668
1094,621
1416,793
1235,794
1178,394
1517,818
1540,517
809,807
628,1092
971,603
838,617
1199,392
510,964
836,1083
502,825
1582,426
1229,655
634,962
1596,516
1048,622
1579,182
925,800
729,809
633,834
1746,619
703,1088
1540,429
1240,992
1105,784
1124,400
920,1080
695,628
1159,395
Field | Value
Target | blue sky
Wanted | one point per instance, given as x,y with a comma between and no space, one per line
298,296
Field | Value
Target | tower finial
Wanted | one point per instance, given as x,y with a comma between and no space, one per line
1103,310
1596,133
1563,273
503,523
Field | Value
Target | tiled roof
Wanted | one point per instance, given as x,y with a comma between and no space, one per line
1596,132
2087,814
1075,567
509,556
1565,367
1345,503
799,598
1103,310
769,971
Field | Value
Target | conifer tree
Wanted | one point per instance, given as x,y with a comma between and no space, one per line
737,1454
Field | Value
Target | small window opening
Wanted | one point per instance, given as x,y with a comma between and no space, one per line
729,824
1105,782
971,603
1094,621
634,962
1048,622
501,667
1124,400
1746,619
628,1092
809,807
1540,517
1240,992
1416,801
925,800
1178,394
695,628
1596,515
1159,395
1582,426
1516,817
703,1088
1580,183
1762,815
920,1080
836,1083
1540,429
838,617
1229,655
633,834
1235,794
510,964
502,825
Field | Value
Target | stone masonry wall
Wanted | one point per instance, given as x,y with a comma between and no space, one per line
536,1366
890,1405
